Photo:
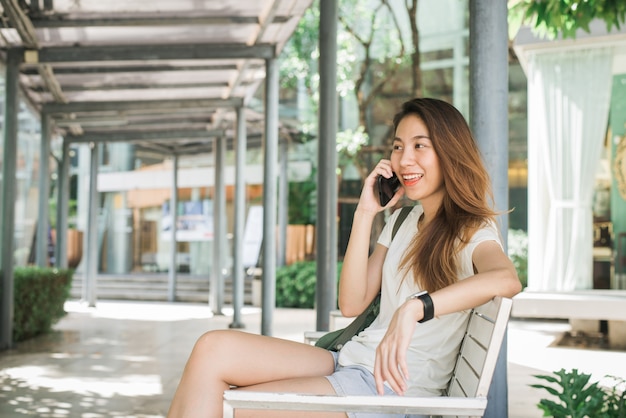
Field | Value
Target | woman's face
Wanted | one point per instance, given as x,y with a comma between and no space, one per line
416,163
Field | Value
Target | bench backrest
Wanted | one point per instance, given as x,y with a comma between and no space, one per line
480,349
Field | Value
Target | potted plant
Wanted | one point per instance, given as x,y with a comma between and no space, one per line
579,399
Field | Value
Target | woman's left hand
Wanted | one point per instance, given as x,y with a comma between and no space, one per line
390,365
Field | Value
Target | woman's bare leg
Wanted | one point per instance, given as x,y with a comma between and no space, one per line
221,359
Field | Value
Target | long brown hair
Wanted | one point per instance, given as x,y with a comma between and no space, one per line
466,205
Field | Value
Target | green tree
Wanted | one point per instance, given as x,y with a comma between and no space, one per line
372,50
299,64
564,17
377,41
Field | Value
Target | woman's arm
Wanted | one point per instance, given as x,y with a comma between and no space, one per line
496,276
360,279
361,275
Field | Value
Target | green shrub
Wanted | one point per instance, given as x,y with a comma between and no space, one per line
302,208
295,284
579,398
39,295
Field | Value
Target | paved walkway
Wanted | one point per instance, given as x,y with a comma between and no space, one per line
124,359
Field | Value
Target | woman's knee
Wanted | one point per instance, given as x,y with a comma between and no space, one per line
213,342
214,353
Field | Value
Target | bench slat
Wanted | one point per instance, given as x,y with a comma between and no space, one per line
381,404
490,309
474,354
481,330
498,312
466,379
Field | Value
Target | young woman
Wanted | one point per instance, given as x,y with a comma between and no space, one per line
445,259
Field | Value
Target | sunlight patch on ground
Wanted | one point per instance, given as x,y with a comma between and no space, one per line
127,385
134,359
539,351
150,311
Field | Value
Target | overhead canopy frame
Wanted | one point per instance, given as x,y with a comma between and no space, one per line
100,70
170,77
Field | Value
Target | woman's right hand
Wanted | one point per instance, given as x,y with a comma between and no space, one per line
390,365
368,200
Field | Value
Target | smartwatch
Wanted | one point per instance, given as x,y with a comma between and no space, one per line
429,308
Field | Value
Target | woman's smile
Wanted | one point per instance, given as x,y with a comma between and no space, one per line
411,179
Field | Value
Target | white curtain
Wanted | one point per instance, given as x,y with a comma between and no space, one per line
568,104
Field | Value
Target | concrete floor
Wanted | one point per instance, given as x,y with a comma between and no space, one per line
124,359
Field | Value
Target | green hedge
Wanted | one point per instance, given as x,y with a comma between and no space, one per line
39,295
295,284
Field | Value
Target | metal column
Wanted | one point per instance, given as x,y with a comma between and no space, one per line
7,204
43,213
283,203
91,237
219,227
489,119
171,281
240,218
63,183
326,290
270,161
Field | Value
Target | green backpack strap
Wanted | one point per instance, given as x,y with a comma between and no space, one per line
404,212
334,340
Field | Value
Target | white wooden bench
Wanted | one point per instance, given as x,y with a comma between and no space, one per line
466,393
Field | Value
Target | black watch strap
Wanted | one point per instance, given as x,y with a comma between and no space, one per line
429,308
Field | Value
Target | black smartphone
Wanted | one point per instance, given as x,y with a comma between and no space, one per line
387,188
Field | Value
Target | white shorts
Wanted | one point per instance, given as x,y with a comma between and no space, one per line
357,380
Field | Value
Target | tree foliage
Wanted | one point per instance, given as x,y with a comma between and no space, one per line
371,51
300,59
552,18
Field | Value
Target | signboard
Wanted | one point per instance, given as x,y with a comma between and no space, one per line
253,237
194,221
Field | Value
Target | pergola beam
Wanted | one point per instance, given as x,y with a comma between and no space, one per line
132,136
20,22
130,86
129,105
156,147
152,52
120,67
196,148
83,20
